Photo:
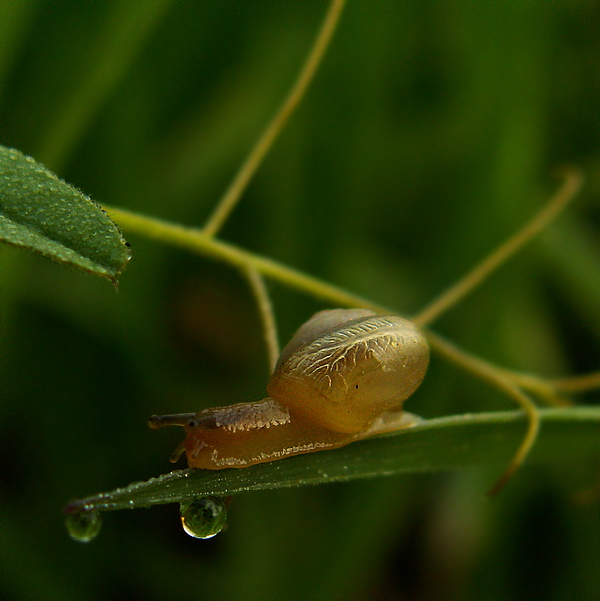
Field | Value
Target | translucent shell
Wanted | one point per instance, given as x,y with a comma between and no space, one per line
344,368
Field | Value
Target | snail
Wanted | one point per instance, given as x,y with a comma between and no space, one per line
343,377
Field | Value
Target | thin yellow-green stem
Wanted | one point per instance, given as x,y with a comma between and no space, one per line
197,241
491,374
542,388
267,315
456,292
581,383
549,389
265,141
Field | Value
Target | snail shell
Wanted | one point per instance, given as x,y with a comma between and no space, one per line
344,376
345,367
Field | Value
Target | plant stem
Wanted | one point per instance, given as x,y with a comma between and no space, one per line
498,378
197,241
456,292
233,193
265,309
582,383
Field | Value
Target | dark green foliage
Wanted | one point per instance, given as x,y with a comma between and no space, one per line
430,134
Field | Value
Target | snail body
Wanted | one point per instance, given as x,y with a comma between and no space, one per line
344,376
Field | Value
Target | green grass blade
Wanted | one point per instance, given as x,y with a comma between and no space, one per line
42,213
440,444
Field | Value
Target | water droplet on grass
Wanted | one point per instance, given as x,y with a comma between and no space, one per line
84,526
204,518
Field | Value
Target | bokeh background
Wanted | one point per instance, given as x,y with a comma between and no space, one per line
431,132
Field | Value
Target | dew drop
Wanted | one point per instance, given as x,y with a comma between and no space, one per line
84,526
205,517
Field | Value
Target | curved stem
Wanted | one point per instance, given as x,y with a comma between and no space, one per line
581,383
456,292
498,378
265,309
265,141
197,241
542,388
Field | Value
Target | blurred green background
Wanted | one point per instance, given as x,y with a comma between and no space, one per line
431,132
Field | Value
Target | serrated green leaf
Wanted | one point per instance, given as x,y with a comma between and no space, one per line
44,214
447,443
